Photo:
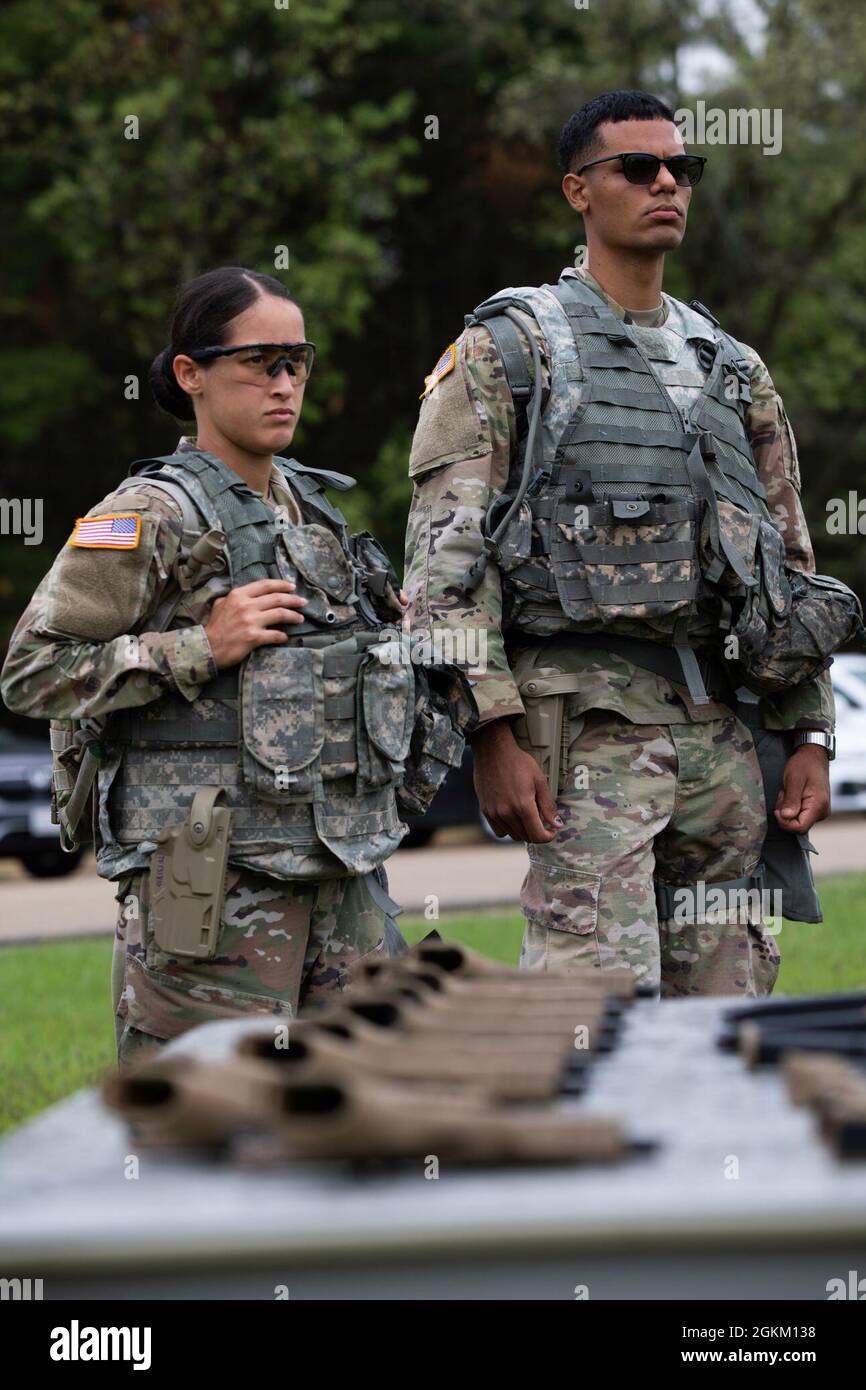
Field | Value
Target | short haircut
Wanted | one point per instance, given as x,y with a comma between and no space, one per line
579,139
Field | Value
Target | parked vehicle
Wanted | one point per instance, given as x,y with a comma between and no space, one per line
26,832
848,768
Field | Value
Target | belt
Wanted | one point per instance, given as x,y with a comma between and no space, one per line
708,676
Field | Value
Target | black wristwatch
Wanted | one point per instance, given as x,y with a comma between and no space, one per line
818,736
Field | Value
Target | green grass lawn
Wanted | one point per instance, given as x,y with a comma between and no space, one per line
57,1033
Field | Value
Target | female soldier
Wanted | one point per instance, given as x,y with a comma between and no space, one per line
215,634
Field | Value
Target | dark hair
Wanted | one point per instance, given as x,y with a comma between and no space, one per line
203,309
579,139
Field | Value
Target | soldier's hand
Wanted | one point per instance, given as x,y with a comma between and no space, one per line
512,790
805,795
245,618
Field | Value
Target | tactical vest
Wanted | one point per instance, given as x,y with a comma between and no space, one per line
644,514
308,738
644,430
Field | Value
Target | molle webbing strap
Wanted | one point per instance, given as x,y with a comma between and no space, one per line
178,724
608,394
666,905
610,554
381,897
689,663
655,470
625,434
177,729
597,513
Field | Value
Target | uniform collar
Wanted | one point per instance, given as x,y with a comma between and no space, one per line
579,271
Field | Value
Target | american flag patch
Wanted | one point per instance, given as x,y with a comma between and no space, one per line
445,365
108,532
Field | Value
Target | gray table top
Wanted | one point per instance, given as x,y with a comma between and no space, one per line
66,1203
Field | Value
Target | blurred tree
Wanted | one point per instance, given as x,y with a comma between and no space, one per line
150,141
403,151
777,246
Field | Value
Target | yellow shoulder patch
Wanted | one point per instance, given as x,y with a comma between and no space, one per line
446,364
121,531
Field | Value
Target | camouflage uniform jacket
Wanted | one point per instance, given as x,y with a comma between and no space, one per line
459,463
82,650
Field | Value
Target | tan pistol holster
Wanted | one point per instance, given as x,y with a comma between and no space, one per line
188,878
542,730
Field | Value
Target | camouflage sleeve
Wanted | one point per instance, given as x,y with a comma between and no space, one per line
75,652
459,463
810,704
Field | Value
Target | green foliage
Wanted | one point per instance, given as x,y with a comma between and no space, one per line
55,1021
40,388
309,127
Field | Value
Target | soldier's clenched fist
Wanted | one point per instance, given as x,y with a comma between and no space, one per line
246,618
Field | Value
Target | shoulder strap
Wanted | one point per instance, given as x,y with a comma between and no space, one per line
195,523
572,288
507,340
226,503
735,359
582,305
309,484
145,465
506,336
700,308
341,481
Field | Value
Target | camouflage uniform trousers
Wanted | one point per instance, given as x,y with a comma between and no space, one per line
283,947
683,801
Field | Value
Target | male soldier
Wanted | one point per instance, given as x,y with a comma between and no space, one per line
575,551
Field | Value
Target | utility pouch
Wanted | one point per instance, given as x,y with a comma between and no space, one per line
76,754
188,879
385,717
283,722
788,631
382,582
445,713
625,558
312,557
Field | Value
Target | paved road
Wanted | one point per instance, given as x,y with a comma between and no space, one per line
471,876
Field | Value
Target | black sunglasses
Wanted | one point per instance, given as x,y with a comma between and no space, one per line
271,357
687,169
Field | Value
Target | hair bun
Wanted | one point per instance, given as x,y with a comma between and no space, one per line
168,395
